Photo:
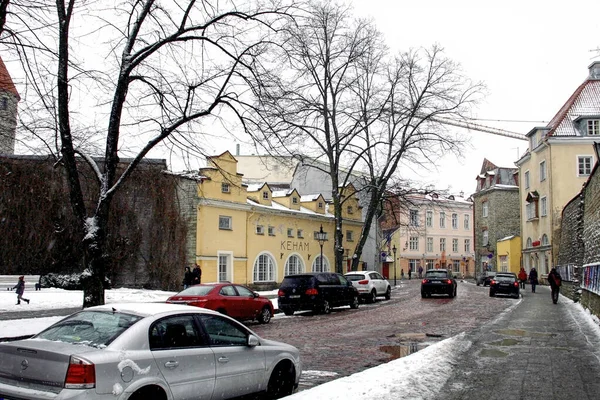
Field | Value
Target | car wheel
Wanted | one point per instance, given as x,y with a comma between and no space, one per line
354,304
281,382
287,311
149,392
455,292
491,294
265,316
373,296
325,308
451,294
423,294
388,293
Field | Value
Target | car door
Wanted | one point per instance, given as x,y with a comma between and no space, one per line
378,282
184,357
249,304
231,302
240,368
345,289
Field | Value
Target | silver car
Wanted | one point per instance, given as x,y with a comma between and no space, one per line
370,285
145,351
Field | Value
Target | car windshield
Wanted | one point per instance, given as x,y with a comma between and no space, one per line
91,328
355,277
196,291
436,274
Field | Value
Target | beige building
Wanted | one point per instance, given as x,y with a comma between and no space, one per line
509,254
558,162
434,231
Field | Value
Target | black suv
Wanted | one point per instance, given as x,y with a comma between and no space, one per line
317,291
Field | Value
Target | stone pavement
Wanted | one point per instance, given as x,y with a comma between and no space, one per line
534,350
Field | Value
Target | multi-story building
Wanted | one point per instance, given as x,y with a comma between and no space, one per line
9,98
431,231
252,234
558,162
496,215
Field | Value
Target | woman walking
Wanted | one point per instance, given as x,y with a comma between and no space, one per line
20,286
533,279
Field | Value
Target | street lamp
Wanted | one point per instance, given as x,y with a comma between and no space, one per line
394,251
321,238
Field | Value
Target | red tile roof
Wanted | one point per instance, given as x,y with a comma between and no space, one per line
6,82
585,101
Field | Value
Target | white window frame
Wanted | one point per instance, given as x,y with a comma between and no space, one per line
271,230
414,217
467,245
542,170
413,243
290,232
429,245
225,187
224,266
593,127
320,266
485,209
455,245
264,268
526,180
442,219
587,168
543,206
531,210
429,218
225,223
442,244
300,234
454,221
467,222
486,237
260,229
294,265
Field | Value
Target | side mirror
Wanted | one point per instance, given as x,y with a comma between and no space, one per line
349,283
255,294
253,341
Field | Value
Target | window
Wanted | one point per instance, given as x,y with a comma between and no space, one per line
593,127
271,231
456,265
294,265
529,243
413,243
429,264
412,264
294,200
222,332
224,222
526,179
225,188
349,236
265,195
223,268
442,219
429,219
467,245
176,332
543,206
264,269
455,245
430,245
442,244
320,205
320,264
533,141
486,239
290,232
350,210
260,230
414,217
300,234
545,241
584,164
467,221
454,221
485,209
532,210
542,171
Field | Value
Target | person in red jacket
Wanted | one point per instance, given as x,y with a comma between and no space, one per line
522,277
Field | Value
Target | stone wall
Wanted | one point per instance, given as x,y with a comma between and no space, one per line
591,218
8,122
187,196
571,244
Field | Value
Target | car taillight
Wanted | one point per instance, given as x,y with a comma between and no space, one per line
516,284
492,282
363,282
312,292
81,374
280,293
449,281
425,281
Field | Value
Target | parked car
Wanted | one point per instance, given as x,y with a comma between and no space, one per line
316,291
370,285
485,278
505,283
140,351
438,281
237,301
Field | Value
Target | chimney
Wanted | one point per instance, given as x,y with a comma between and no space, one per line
594,70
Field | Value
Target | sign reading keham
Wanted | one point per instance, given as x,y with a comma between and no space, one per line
293,245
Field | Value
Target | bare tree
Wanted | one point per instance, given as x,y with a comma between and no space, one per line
344,100
166,67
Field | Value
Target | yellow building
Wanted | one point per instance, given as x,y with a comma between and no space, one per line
252,234
509,254
558,162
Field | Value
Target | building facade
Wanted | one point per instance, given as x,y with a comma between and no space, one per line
558,162
496,213
252,234
508,258
429,231
9,99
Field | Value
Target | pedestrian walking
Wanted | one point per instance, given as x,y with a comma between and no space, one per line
188,278
522,277
533,279
555,281
20,286
409,272
420,272
402,273
197,274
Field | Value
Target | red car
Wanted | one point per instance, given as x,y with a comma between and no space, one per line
236,301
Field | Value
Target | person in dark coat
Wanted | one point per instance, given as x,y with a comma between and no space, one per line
197,273
555,281
533,279
188,278
409,273
20,286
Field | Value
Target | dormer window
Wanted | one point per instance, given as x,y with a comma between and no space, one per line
533,141
225,188
294,200
350,210
593,127
265,195
320,205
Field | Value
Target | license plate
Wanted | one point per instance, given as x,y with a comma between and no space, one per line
294,296
504,284
436,282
